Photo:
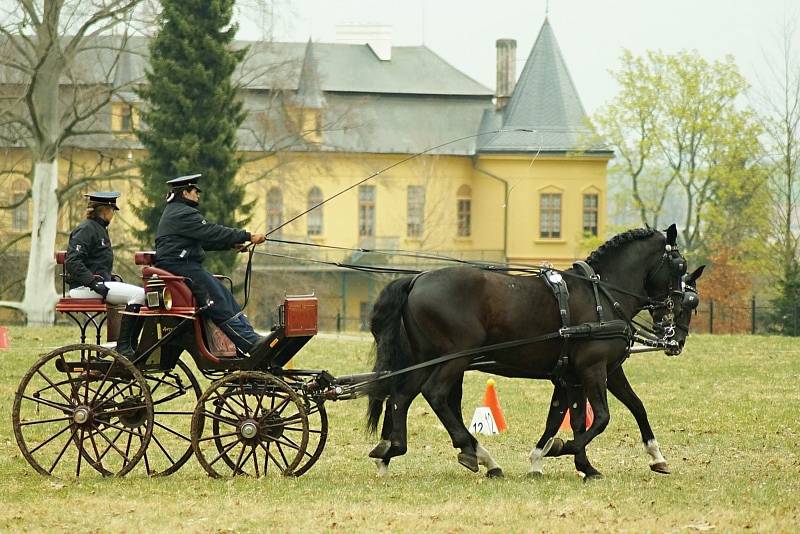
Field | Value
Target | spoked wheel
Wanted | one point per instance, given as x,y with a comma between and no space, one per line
317,435
175,394
82,409
249,423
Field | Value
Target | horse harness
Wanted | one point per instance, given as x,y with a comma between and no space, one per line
602,329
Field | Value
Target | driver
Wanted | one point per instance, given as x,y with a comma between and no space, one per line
182,238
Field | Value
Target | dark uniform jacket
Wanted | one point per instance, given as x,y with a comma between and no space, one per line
184,234
89,253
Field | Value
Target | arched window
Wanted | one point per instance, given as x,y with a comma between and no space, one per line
20,221
314,216
275,210
464,211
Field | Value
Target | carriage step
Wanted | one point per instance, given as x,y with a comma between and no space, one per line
92,368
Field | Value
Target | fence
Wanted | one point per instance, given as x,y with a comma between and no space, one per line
748,317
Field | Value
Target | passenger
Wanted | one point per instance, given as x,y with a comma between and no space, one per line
89,263
182,238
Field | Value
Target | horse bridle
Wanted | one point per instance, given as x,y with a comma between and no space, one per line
676,264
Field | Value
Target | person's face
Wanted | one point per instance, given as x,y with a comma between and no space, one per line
192,194
107,213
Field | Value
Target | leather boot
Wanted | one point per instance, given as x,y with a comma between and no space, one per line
129,329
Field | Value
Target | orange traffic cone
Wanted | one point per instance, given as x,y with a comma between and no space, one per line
565,424
4,344
491,401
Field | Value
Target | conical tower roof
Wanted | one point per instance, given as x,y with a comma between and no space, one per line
128,72
545,100
309,89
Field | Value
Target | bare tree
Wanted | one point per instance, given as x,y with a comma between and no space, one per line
781,122
57,79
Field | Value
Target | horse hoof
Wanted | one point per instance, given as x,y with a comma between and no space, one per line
470,461
381,449
383,467
495,473
660,467
590,477
535,474
553,447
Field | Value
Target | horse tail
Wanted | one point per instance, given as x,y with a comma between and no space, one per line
392,349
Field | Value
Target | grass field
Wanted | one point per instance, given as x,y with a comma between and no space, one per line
726,413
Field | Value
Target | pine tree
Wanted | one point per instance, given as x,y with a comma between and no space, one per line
786,319
191,116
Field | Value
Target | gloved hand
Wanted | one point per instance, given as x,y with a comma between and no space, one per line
100,288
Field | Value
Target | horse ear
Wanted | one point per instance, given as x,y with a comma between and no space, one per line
672,234
691,279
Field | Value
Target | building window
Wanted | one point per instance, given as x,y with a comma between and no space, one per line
19,217
590,204
464,211
366,211
126,119
275,210
550,215
315,215
416,211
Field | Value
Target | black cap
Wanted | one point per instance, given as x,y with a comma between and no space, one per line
187,181
104,198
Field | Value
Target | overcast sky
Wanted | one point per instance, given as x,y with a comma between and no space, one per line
591,33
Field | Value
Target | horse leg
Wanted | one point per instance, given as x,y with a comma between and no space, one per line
594,386
619,386
577,415
383,446
437,390
493,469
548,444
395,431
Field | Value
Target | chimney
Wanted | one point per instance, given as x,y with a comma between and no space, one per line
377,36
506,71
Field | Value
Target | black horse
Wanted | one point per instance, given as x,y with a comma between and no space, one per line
564,396
455,309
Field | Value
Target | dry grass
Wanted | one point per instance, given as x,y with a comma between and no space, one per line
725,413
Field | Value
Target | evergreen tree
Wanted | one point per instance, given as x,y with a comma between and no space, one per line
786,319
191,116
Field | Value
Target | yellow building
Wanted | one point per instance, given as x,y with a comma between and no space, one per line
506,175
527,191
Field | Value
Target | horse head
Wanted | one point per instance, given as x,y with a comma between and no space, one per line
673,295
674,324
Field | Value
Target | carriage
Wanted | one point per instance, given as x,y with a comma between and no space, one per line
84,407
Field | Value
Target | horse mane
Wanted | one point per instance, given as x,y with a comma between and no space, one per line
616,242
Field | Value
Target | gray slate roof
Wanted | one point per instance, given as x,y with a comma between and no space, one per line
309,92
405,105
545,100
355,68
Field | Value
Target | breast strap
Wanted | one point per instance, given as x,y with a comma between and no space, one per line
603,329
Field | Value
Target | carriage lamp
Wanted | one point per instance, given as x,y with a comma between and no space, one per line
166,298
158,294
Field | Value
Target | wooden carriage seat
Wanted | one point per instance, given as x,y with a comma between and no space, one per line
182,299
68,304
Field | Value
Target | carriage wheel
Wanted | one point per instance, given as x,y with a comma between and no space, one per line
317,435
249,423
82,408
175,394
